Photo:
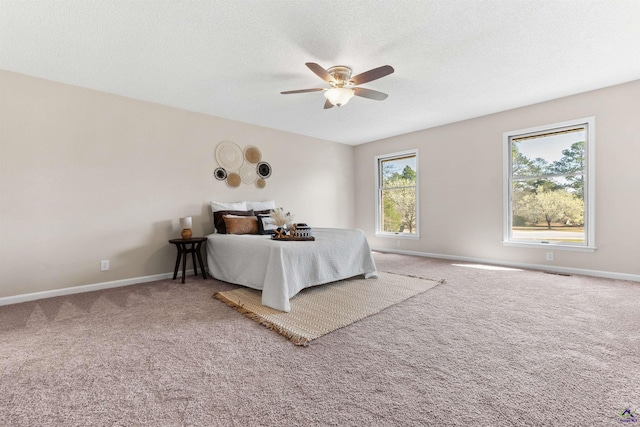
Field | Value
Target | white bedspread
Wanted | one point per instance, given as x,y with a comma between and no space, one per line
282,269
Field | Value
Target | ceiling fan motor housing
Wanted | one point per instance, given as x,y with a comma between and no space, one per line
341,74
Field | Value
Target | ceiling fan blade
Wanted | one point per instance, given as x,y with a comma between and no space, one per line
315,89
320,72
368,93
374,74
327,104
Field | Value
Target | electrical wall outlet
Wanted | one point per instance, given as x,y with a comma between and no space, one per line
104,265
549,256
398,243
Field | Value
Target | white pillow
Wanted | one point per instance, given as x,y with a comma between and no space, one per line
224,206
261,206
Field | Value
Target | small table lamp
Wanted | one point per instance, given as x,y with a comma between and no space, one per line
186,225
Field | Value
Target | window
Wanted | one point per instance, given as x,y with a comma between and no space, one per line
397,194
549,191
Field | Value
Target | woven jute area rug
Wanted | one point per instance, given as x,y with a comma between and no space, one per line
319,310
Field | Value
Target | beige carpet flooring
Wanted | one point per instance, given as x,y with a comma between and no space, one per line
486,348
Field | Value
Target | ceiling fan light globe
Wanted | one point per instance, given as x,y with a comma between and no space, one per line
338,96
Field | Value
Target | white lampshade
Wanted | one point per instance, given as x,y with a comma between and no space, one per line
338,96
185,222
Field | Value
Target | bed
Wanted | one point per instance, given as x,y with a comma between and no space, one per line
281,269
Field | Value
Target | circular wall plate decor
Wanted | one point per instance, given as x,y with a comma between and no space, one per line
264,170
252,154
248,174
261,183
229,155
220,174
233,180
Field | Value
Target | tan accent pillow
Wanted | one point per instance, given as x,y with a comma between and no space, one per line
218,219
241,225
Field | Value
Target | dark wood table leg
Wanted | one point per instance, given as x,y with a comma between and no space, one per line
184,261
175,270
199,254
193,259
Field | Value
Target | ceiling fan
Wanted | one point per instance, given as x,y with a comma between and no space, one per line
343,86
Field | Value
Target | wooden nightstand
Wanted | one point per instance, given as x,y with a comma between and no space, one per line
183,250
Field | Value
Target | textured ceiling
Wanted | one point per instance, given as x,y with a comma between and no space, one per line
454,59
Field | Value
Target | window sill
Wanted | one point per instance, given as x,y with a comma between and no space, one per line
399,236
554,246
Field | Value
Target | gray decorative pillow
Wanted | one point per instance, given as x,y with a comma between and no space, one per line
266,225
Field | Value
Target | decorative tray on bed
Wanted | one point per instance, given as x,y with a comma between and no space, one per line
299,232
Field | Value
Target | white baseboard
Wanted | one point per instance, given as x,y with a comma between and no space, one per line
144,279
553,269
87,288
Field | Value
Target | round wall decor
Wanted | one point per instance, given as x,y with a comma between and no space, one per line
252,154
220,174
229,156
237,166
264,170
248,174
233,180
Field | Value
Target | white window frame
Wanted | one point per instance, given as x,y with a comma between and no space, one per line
378,198
589,193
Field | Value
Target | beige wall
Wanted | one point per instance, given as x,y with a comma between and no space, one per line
87,176
460,170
